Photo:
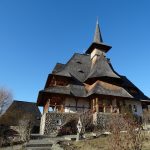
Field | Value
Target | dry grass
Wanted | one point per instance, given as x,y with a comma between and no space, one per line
146,143
93,144
98,144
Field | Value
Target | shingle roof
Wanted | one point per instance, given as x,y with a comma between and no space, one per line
80,69
57,90
132,89
97,35
101,68
58,67
17,110
74,90
99,87
104,88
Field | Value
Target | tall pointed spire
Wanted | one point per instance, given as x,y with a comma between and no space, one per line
97,35
98,42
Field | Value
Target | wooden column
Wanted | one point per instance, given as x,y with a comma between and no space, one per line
46,106
93,104
111,108
114,102
104,107
97,106
62,108
118,110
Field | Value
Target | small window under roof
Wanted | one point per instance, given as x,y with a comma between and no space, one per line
79,62
81,71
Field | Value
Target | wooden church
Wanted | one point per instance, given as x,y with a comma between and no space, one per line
89,82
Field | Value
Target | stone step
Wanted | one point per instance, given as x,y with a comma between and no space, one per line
38,145
37,148
39,136
43,144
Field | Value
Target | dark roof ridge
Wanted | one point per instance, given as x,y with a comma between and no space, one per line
24,101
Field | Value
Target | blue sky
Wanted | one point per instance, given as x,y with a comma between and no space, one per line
36,34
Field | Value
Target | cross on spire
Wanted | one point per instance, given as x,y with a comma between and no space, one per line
97,35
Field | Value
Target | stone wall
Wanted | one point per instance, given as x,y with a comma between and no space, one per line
101,119
51,122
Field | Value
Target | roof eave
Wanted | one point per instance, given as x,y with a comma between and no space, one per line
100,46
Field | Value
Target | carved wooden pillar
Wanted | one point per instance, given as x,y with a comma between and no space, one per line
115,102
118,110
62,108
55,82
104,107
55,108
111,108
93,104
97,106
46,106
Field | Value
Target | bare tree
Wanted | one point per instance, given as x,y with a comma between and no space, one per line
126,133
146,119
25,125
5,99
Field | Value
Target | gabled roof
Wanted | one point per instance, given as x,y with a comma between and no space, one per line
101,68
58,67
99,87
74,90
132,89
104,88
77,67
80,67
17,110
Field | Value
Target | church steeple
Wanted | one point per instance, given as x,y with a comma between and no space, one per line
98,42
97,35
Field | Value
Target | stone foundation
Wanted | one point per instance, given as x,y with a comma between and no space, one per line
51,122
101,119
